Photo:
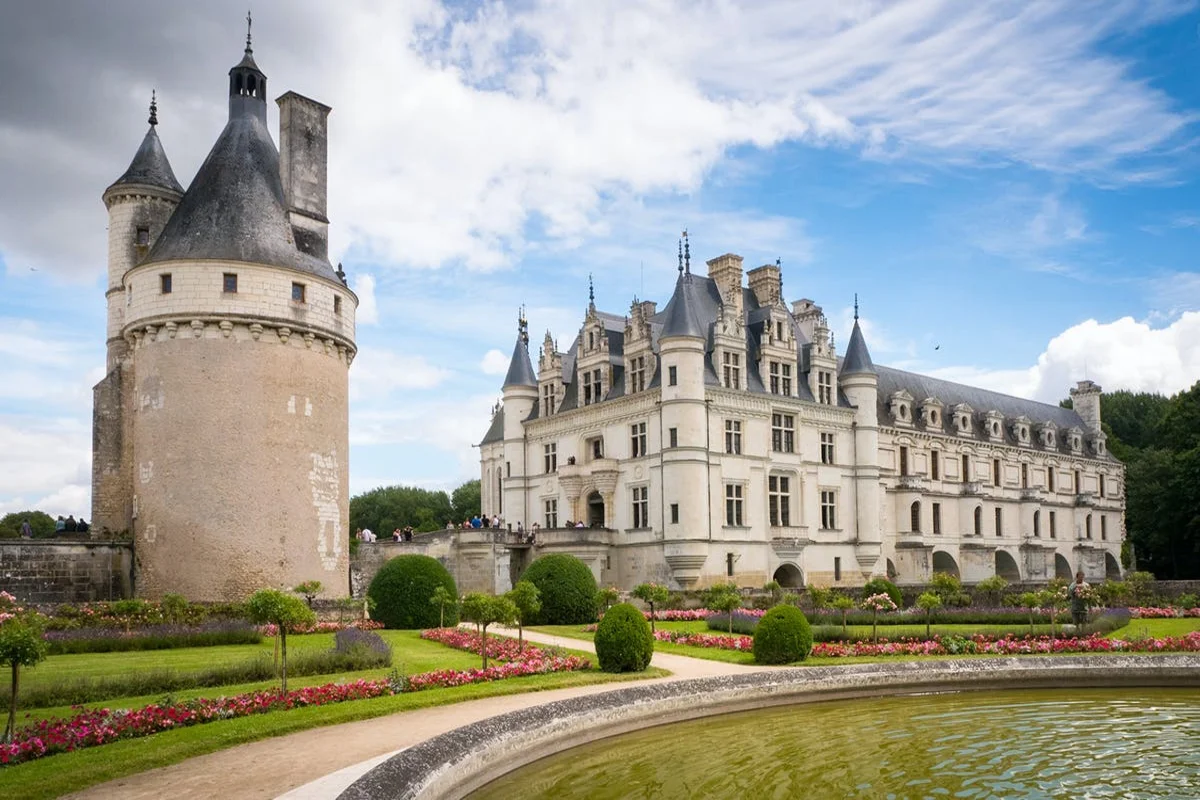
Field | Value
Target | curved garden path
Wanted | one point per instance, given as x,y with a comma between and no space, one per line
320,762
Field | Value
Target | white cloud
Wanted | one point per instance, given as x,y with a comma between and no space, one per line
46,464
377,372
494,363
368,311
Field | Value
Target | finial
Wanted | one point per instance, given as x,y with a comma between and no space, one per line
153,107
687,253
681,257
856,306
248,23
341,274
523,325
591,291
779,266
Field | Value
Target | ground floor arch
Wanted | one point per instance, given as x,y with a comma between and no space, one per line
1006,567
1062,567
789,576
1112,568
944,562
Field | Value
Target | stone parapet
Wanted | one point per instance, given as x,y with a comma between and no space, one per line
54,571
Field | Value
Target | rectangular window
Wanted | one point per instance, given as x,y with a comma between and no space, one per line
785,379
164,283
229,283
903,461
966,469
774,370
597,448
337,304
508,469
827,451
999,523
1100,481
552,513
828,510
641,507
298,292
637,374
637,439
732,363
837,568
672,376
1103,527
549,398
1053,525
733,436
937,519
783,433
1024,476
729,565
995,472
596,393
935,467
733,504
143,237
673,437
1088,526
1050,479
779,500
1037,525
825,387
674,513
550,457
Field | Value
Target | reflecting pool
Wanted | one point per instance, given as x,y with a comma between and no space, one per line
1069,743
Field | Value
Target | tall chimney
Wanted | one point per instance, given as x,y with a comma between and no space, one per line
303,167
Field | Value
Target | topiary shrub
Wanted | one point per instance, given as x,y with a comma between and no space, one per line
567,589
782,636
623,640
884,586
401,591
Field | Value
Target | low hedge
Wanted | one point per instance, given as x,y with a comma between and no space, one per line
153,637
567,590
783,636
623,640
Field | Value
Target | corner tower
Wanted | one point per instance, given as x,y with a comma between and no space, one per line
239,340
859,381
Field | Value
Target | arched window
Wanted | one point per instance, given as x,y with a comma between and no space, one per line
979,520
1037,524
916,517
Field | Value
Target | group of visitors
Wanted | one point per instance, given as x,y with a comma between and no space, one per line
404,534
476,522
365,535
69,525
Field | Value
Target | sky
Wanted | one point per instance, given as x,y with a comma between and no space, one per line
1011,189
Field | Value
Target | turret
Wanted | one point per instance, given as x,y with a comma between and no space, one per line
859,381
248,85
1085,398
139,204
520,393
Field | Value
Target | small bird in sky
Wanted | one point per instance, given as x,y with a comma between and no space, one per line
937,347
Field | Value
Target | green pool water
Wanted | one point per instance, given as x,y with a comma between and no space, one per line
1088,743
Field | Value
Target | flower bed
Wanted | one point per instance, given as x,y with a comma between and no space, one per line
270,630
104,639
1163,613
742,643
538,664
498,647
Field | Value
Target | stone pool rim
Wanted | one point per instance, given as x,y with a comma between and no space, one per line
456,763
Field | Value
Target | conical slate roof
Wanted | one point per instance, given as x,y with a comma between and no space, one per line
234,209
857,359
682,316
520,369
150,167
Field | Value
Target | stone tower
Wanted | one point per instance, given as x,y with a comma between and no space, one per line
859,381
221,430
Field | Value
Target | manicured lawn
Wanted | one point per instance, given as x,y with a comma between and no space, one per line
1157,628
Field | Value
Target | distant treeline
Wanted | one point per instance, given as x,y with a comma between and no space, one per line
387,508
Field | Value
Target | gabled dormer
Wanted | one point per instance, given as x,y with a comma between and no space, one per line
777,353
993,425
900,406
820,362
593,371
639,351
1074,436
1099,443
962,418
1047,434
932,410
729,340
1021,427
550,377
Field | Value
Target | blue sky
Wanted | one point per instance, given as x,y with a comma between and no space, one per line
1014,186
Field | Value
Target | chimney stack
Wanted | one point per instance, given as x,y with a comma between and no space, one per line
303,168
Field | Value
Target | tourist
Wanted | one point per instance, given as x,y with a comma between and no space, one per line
496,521
367,536
358,534
449,524
408,533
83,526
579,524
70,526
1078,595
26,530
59,524
396,535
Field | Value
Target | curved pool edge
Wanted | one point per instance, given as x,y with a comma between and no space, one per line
456,763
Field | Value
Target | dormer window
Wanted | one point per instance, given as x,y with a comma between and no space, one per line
142,238
931,412
900,404
637,374
1020,429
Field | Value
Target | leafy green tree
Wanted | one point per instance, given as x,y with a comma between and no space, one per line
843,603
653,595
272,606
485,610
775,590
820,596
725,598
174,607
876,603
606,598
310,590
465,500
441,598
41,523
928,602
384,509
946,586
21,645
1031,601
527,600
992,588
1054,599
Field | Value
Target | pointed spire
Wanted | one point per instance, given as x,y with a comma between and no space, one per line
520,369
249,21
150,166
591,293
858,358
681,256
779,266
856,307
153,107
687,254
682,316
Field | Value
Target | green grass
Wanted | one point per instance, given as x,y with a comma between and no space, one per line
70,772
1157,628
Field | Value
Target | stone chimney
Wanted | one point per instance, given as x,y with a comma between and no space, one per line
726,272
764,282
1085,397
303,167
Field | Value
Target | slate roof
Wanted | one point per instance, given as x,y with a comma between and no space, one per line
520,370
691,309
495,431
150,167
858,359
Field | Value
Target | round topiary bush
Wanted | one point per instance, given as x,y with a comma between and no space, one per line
883,586
567,589
623,640
402,590
783,635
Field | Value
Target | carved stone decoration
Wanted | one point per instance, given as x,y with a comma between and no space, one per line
171,329
308,340
255,331
226,328
151,332
197,328
285,333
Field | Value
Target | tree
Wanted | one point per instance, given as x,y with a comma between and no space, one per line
993,588
384,509
946,586
21,645
484,610
606,598
310,590
652,594
1053,598
726,598
441,598
843,603
272,606
41,522
527,600
928,602
876,603
465,500
775,591
820,596
1031,601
